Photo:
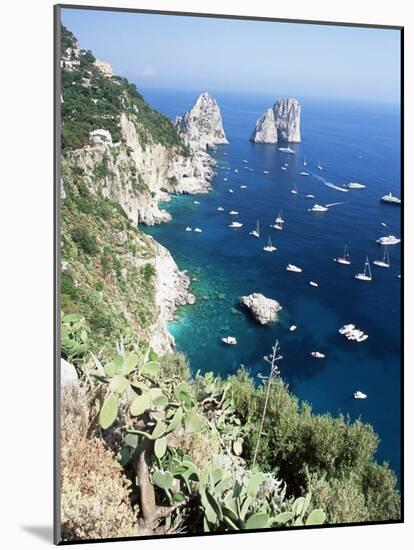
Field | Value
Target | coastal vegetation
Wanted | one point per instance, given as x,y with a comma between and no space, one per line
147,445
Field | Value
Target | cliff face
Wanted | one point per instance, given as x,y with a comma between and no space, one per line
265,131
282,122
119,159
201,127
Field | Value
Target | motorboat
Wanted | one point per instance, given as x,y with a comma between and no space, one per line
389,239
220,209
391,199
345,259
233,213
309,196
317,354
196,202
355,185
294,191
286,150
231,190
319,208
346,328
229,340
198,230
243,186
236,224
293,268
360,395
265,171
188,228
366,275
283,168
304,173
312,283
292,328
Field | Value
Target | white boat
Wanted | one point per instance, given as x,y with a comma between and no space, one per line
304,161
233,213
319,208
346,328
256,232
269,247
229,340
359,395
355,185
385,262
236,224
188,229
345,259
277,226
279,218
292,328
319,166
390,199
294,268
366,275
243,186
312,283
196,202
231,191
361,337
294,191
225,179
236,170
220,209
198,230
389,239
286,150
309,196
244,160
304,174
265,172
317,354
283,168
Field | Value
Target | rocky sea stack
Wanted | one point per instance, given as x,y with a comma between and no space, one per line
263,309
280,123
201,127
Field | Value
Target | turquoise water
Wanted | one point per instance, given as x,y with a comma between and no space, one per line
353,142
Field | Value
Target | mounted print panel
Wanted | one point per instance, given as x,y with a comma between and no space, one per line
229,274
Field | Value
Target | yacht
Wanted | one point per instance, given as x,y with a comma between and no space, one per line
220,209
269,247
256,232
346,328
233,213
294,190
198,230
366,275
309,196
317,354
319,208
292,328
385,262
231,191
230,340
389,239
236,171
312,283
359,395
294,268
283,168
345,259
188,229
304,173
355,185
243,186
390,199
279,218
244,160
265,171
236,224
286,150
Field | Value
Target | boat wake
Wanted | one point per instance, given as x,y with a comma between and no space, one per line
334,204
330,184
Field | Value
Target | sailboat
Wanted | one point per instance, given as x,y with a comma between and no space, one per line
255,232
367,275
279,218
294,190
385,262
345,259
269,247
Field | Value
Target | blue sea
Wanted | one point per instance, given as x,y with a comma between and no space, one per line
352,142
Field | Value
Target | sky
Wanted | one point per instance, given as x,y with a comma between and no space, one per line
250,57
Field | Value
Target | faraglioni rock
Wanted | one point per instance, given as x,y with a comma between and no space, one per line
281,123
263,309
265,131
201,127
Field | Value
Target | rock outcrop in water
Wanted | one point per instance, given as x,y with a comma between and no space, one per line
281,123
265,131
263,309
201,127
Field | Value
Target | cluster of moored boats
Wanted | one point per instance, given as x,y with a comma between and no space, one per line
351,332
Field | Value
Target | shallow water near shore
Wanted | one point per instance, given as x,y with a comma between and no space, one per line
353,142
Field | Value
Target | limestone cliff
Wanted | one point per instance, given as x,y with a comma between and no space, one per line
201,127
281,123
